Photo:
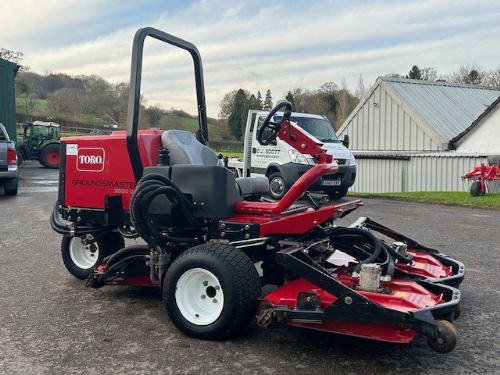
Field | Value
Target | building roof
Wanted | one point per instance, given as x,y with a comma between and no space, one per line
448,108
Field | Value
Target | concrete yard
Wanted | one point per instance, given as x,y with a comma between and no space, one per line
50,323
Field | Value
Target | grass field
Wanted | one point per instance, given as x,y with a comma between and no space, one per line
462,199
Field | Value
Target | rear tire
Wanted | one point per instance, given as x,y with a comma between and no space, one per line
20,158
339,193
475,189
10,188
277,186
81,259
211,291
50,156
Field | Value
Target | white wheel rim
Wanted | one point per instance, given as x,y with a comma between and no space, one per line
199,296
82,255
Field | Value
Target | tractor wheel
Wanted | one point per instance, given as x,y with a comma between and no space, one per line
211,291
20,158
50,156
80,259
475,189
445,339
337,193
277,186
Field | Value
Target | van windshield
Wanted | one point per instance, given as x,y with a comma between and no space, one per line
318,127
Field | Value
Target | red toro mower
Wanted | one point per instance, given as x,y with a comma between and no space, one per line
484,177
213,242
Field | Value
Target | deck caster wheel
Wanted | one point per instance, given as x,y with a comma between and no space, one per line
211,291
81,257
445,339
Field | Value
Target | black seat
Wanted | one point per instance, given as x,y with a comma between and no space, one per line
184,148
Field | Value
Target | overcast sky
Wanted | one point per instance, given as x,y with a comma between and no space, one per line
255,45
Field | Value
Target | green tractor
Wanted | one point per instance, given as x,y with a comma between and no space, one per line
40,141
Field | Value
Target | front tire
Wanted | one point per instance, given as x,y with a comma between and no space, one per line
211,291
80,259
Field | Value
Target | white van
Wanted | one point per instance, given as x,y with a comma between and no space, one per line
283,165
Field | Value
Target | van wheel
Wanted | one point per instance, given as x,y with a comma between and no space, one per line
338,193
277,186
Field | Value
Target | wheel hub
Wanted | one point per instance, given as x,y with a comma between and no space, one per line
83,255
277,186
199,296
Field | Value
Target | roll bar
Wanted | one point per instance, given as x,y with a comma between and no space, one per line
135,90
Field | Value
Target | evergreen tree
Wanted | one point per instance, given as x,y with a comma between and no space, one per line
260,105
290,98
268,101
414,73
238,115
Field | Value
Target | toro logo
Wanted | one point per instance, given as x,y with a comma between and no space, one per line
90,159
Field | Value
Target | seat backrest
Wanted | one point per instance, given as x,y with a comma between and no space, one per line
184,148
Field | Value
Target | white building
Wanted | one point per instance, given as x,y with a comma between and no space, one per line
411,135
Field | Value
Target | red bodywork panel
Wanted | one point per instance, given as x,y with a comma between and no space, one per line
405,296
99,166
425,265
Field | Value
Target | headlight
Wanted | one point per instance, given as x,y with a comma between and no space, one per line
351,160
297,157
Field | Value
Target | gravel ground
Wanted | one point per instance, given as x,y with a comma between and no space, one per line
51,324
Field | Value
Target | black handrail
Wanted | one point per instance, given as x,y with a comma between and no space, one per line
135,90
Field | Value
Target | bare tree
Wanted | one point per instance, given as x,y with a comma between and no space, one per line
360,88
471,74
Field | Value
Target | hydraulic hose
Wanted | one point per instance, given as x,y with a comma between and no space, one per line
348,238
125,252
148,188
78,230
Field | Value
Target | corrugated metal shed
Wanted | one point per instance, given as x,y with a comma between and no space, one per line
412,115
433,171
8,72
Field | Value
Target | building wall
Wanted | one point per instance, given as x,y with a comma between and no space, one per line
485,137
415,173
8,97
383,124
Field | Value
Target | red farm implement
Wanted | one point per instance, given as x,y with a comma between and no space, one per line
484,177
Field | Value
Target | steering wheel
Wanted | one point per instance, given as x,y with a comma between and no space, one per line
274,127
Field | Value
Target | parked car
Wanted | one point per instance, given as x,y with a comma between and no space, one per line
8,163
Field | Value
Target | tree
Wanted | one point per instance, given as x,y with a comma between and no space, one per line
268,101
493,78
226,105
428,74
154,114
289,97
260,104
470,74
237,116
15,57
360,88
414,73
